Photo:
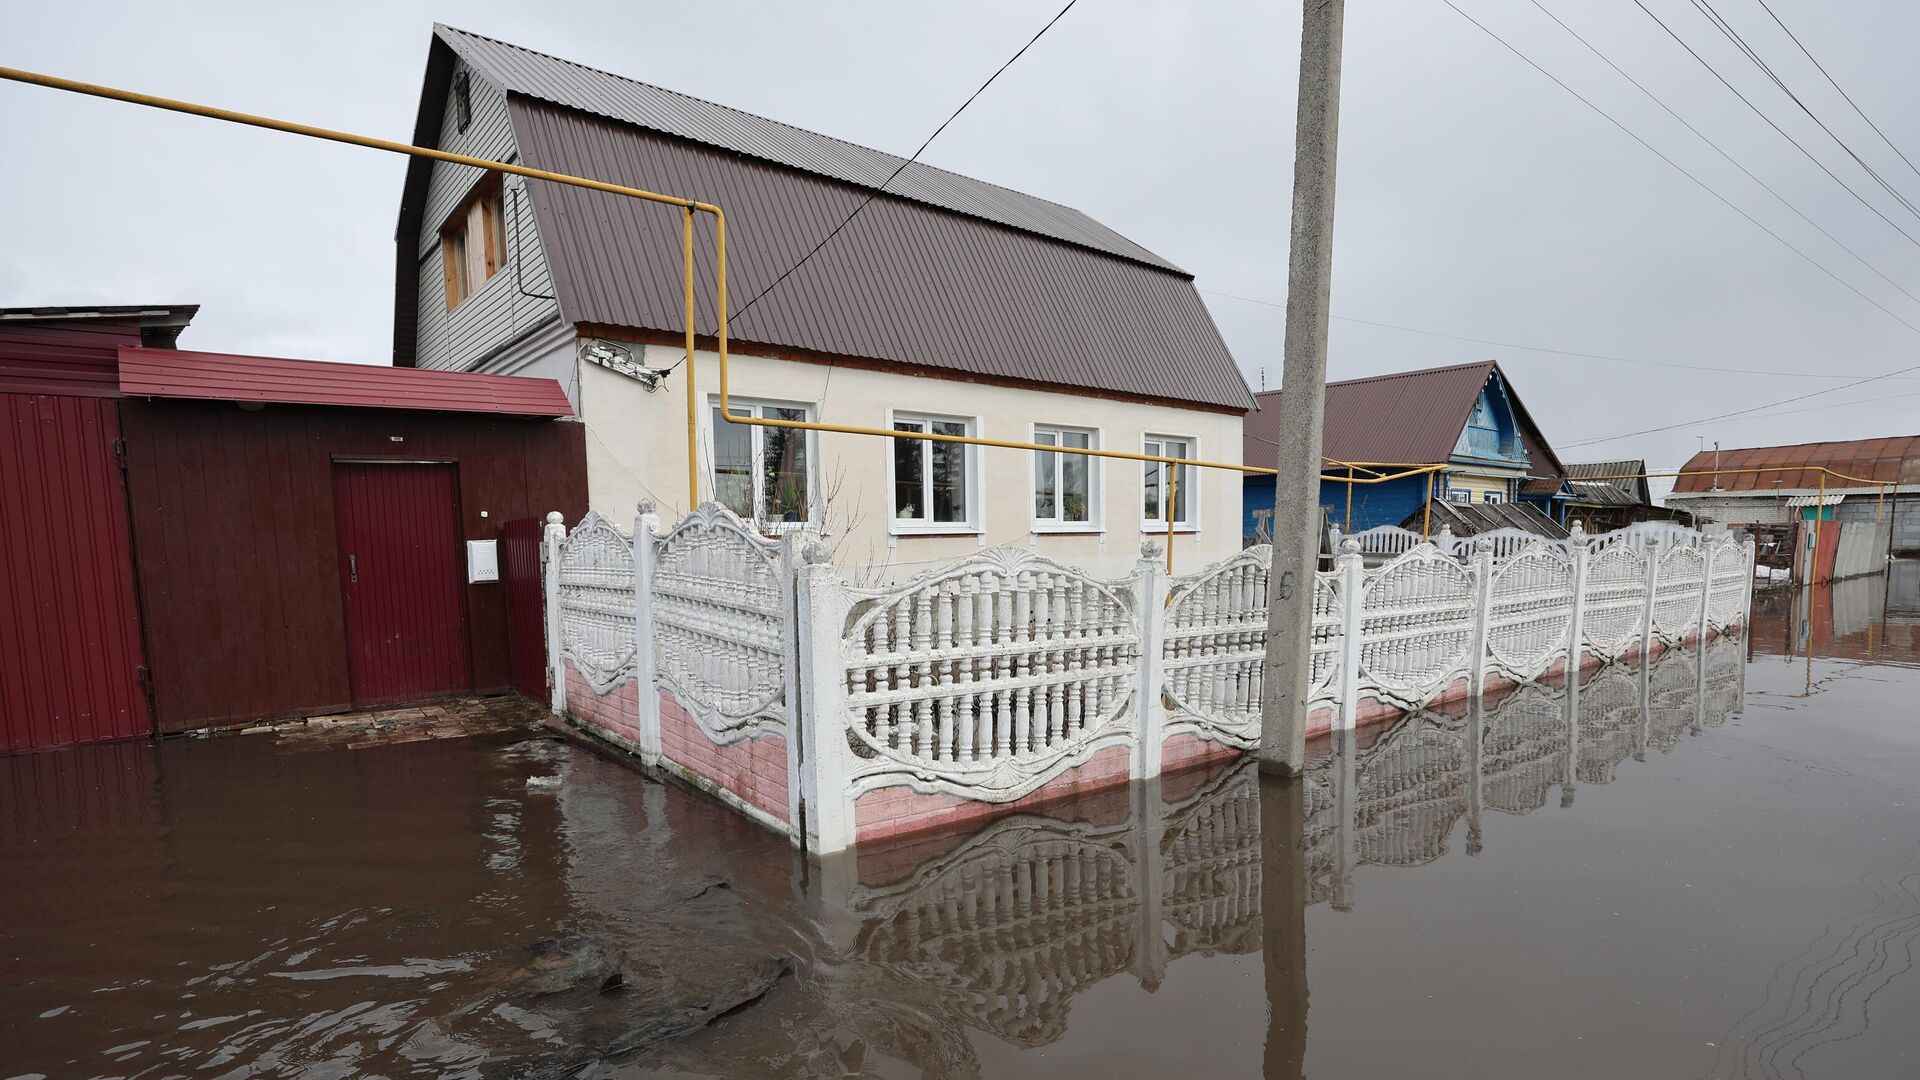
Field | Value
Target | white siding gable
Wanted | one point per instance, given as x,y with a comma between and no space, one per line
515,300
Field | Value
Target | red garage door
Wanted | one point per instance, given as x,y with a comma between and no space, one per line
403,573
70,658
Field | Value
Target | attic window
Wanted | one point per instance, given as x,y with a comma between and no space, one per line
473,241
462,102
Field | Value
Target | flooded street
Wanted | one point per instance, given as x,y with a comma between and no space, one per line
1710,869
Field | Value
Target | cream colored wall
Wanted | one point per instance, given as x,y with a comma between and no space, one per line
637,448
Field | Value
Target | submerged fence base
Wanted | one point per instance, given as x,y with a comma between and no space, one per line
840,715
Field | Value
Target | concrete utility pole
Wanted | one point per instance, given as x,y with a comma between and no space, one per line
1303,385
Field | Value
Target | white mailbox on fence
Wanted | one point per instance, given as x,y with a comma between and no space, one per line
483,561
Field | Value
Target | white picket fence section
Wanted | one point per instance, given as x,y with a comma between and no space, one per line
990,677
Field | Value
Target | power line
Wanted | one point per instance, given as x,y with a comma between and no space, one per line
1782,132
875,192
1844,283
1744,412
1616,123
1768,188
1539,348
1726,29
1842,90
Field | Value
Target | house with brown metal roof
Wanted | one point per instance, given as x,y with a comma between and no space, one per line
1467,417
1605,495
948,305
1774,487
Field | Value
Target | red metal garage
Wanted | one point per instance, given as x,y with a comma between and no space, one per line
200,539
301,527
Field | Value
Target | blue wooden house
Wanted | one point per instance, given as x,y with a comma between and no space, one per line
1467,417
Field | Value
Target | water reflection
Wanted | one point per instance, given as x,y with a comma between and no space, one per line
222,906
1873,619
1000,930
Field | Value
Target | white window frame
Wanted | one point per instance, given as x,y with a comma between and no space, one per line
976,516
1191,498
1096,503
1491,496
1459,495
756,434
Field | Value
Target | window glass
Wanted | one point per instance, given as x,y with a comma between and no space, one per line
783,465
1046,490
909,475
949,473
1155,487
1076,488
733,463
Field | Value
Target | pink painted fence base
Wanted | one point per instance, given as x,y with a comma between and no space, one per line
750,775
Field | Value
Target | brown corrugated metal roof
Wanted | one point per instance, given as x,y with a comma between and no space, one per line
523,71
176,373
1891,460
1408,416
904,283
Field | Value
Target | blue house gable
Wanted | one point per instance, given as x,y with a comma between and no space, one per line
1466,417
1491,434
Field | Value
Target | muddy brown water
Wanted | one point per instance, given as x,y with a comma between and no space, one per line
1705,872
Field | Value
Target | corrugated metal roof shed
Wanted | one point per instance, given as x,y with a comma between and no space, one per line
1409,416
172,373
1589,489
1472,519
562,82
1891,460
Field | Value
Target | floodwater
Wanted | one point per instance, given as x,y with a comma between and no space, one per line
1708,869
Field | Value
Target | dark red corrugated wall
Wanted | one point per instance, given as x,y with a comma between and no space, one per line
238,544
526,617
70,652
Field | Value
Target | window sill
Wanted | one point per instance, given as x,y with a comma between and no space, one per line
1159,528
935,534
1068,530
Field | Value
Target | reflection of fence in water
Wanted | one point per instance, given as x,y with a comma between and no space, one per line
1525,750
1008,926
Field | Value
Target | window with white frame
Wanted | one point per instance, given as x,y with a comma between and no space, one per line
764,474
1460,495
1065,486
1492,497
933,480
1155,476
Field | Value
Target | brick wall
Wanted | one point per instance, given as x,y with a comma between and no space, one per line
752,771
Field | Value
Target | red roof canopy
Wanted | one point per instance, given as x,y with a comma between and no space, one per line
172,373
1892,461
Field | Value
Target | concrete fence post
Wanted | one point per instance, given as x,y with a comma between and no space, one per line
1482,613
1746,601
1706,592
550,541
1646,604
791,545
1151,585
646,686
1577,625
1353,579
823,604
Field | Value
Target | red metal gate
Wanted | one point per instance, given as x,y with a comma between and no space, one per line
402,571
526,623
70,656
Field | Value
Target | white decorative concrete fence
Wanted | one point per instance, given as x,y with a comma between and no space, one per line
842,714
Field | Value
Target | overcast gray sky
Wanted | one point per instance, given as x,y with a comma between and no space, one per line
1476,198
